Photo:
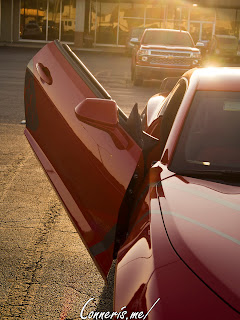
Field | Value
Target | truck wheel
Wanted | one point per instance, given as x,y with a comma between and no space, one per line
136,81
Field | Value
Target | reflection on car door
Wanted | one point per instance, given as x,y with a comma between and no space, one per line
88,170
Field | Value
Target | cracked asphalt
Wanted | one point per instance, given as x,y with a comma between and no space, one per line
45,270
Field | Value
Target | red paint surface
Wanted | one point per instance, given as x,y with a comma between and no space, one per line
149,267
88,163
182,244
204,230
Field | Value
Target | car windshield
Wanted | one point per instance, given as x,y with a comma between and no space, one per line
210,139
167,38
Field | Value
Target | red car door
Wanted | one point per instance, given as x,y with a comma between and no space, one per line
90,164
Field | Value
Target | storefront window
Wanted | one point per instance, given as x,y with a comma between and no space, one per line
225,27
112,21
184,14
107,23
195,31
53,20
170,12
93,19
201,31
226,14
226,21
155,12
126,27
183,25
33,19
47,20
169,25
202,14
132,10
207,31
154,23
68,20
131,17
177,13
238,26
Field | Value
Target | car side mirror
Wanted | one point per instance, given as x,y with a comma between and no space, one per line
102,114
135,41
98,112
199,45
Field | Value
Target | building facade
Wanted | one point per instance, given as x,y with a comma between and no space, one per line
105,22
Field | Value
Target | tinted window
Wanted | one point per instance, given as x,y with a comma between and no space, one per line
169,112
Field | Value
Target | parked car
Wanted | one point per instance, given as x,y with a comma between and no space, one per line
223,47
136,34
163,201
32,31
163,52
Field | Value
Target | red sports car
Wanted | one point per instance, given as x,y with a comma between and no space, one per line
161,195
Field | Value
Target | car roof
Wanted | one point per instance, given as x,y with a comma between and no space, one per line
215,78
172,30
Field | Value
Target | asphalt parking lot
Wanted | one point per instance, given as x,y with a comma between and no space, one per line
45,271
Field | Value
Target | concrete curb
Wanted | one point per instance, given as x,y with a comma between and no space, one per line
101,49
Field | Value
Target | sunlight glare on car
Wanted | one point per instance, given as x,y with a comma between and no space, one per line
206,163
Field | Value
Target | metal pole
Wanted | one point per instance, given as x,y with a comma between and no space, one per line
0,18
96,16
144,17
165,15
24,15
47,21
12,21
118,22
60,22
89,17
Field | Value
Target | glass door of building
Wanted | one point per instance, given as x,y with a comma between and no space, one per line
201,31
47,20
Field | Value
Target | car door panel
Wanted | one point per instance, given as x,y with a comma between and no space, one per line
88,169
